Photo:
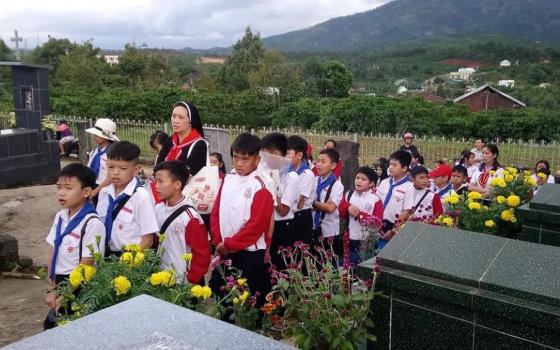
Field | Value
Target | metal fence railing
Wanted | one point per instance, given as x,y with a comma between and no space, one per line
372,147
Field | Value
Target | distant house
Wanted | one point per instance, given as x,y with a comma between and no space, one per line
505,63
507,83
402,90
454,76
487,98
545,85
111,59
399,82
211,60
466,73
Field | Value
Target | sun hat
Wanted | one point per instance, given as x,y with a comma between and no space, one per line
104,128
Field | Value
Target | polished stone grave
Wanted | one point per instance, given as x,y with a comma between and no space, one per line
541,217
452,289
146,322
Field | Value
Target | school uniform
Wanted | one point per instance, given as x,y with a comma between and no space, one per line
303,218
482,177
444,192
241,220
185,234
397,197
134,220
328,223
427,205
284,235
98,163
369,204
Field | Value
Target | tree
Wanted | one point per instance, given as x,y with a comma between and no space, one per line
51,52
339,79
5,52
80,69
132,64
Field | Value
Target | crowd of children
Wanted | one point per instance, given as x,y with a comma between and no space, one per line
105,204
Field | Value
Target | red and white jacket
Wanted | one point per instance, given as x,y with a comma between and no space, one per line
368,203
242,213
429,207
186,234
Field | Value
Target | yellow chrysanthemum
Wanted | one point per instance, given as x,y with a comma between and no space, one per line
241,281
452,200
508,178
501,199
527,172
542,176
475,206
132,248
164,278
489,223
475,196
76,278
530,181
501,183
81,274
187,257
492,172
513,201
201,292
512,170
132,258
506,215
121,284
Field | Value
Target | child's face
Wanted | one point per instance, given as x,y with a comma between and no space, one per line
471,160
362,183
329,145
166,186
214,161
457,179
441,181
408,141
414,161
276,152
396,169
541,166
121,172
245,164
379,171
99,141
421,181
70,193
295,157
324,165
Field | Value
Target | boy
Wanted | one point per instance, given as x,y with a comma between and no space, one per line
124,206
441,175
397,193
241,218
75,227
459,179
183,227
427,204
303,216
283,234
331,144
329,193
104,134
360,204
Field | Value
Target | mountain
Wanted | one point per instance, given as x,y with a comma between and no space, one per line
407,20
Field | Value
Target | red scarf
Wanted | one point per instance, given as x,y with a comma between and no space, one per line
483,179
177,149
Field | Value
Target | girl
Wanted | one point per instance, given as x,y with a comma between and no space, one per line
381,171
488,170
467,161
543,164
216,159
157,140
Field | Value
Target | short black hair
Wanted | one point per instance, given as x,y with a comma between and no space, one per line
370,173
158,136
275,141
298,144
246,143
177,170
331,140
333,154
460,169
83,173
124,150
403,157
417,170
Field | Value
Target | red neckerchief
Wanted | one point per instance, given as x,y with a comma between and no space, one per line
177,149
483,178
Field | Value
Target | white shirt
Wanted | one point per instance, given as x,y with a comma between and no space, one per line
69,252
401,199
365,202
175,245
290,195
443,193
477,156
478,178
330,225
425,208
136,218
102,164
471,171
306,187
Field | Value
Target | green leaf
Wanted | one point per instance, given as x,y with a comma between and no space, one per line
326,332
307,343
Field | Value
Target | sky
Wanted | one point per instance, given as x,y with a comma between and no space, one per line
165,23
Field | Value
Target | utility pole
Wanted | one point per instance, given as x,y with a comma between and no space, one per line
17,39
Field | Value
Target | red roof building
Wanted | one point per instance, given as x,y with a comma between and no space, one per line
487,98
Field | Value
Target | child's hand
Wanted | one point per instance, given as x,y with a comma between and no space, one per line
352,210
53,300
221,250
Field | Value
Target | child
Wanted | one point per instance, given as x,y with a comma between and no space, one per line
75,227
543,164
157,140
459,180
441,175
331,144
216,159
183,227
65,134
241,218
283,234
303,217
104,134
329,193
124,205
542,175
468,159
427,204
397,193
360,204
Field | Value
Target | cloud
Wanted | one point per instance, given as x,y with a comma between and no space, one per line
166,23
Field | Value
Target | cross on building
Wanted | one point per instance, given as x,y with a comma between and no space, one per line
17,39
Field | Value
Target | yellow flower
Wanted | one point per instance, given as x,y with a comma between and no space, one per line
501,183
201,292
475,195
244,296
511,170
121,284
76,278
508,178
187,257
241,281
506,215
492,172
133,248
527,172
235,301
475,206
542,176
127,258
501,199
88,272
82,273
489,223
447,221
530,181
513,201
164,278
452,199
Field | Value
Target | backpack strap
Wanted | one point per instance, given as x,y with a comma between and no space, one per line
122,203
350,194
329,190
174,216
419,202
83,233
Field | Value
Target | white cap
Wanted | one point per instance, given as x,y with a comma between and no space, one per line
104,128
